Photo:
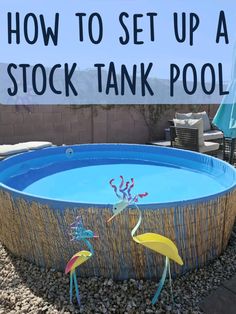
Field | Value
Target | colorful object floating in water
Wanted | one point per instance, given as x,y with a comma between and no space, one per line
78,233
153,241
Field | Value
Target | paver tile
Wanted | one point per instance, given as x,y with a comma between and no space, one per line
221,301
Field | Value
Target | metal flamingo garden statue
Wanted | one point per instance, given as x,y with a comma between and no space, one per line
153,241
78,233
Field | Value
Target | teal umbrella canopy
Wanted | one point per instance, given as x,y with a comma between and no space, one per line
225,118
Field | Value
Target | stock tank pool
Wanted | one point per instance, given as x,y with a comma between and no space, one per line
191,200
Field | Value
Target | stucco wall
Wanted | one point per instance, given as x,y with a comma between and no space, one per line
88,124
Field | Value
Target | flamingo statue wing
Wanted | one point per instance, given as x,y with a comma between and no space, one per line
159,244
76,260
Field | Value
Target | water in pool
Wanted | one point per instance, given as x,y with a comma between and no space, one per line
91,184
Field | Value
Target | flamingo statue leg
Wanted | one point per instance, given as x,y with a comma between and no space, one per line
76,288
73,281
71,287
162,281
170,281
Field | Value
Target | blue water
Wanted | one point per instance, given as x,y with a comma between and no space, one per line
91,184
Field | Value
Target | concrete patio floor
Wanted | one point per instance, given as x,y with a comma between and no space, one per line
222,300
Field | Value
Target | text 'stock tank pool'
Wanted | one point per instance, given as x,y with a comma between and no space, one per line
184,188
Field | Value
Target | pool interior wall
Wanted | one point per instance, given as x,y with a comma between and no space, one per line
37,229
68,167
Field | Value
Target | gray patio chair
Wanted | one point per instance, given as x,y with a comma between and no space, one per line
187,138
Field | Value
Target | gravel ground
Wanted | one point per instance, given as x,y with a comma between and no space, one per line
25,288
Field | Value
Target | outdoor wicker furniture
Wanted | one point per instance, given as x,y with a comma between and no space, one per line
188,138
229,151
210,135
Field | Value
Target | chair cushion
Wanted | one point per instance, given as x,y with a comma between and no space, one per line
182,116
36,145
6,150
209,147
212,135
192,124
205,118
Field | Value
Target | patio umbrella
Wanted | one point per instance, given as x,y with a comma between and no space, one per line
225,118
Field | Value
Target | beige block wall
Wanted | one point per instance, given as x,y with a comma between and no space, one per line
73,124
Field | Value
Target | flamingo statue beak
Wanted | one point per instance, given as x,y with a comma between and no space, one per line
111,218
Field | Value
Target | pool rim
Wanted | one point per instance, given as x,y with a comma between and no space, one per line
63,204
